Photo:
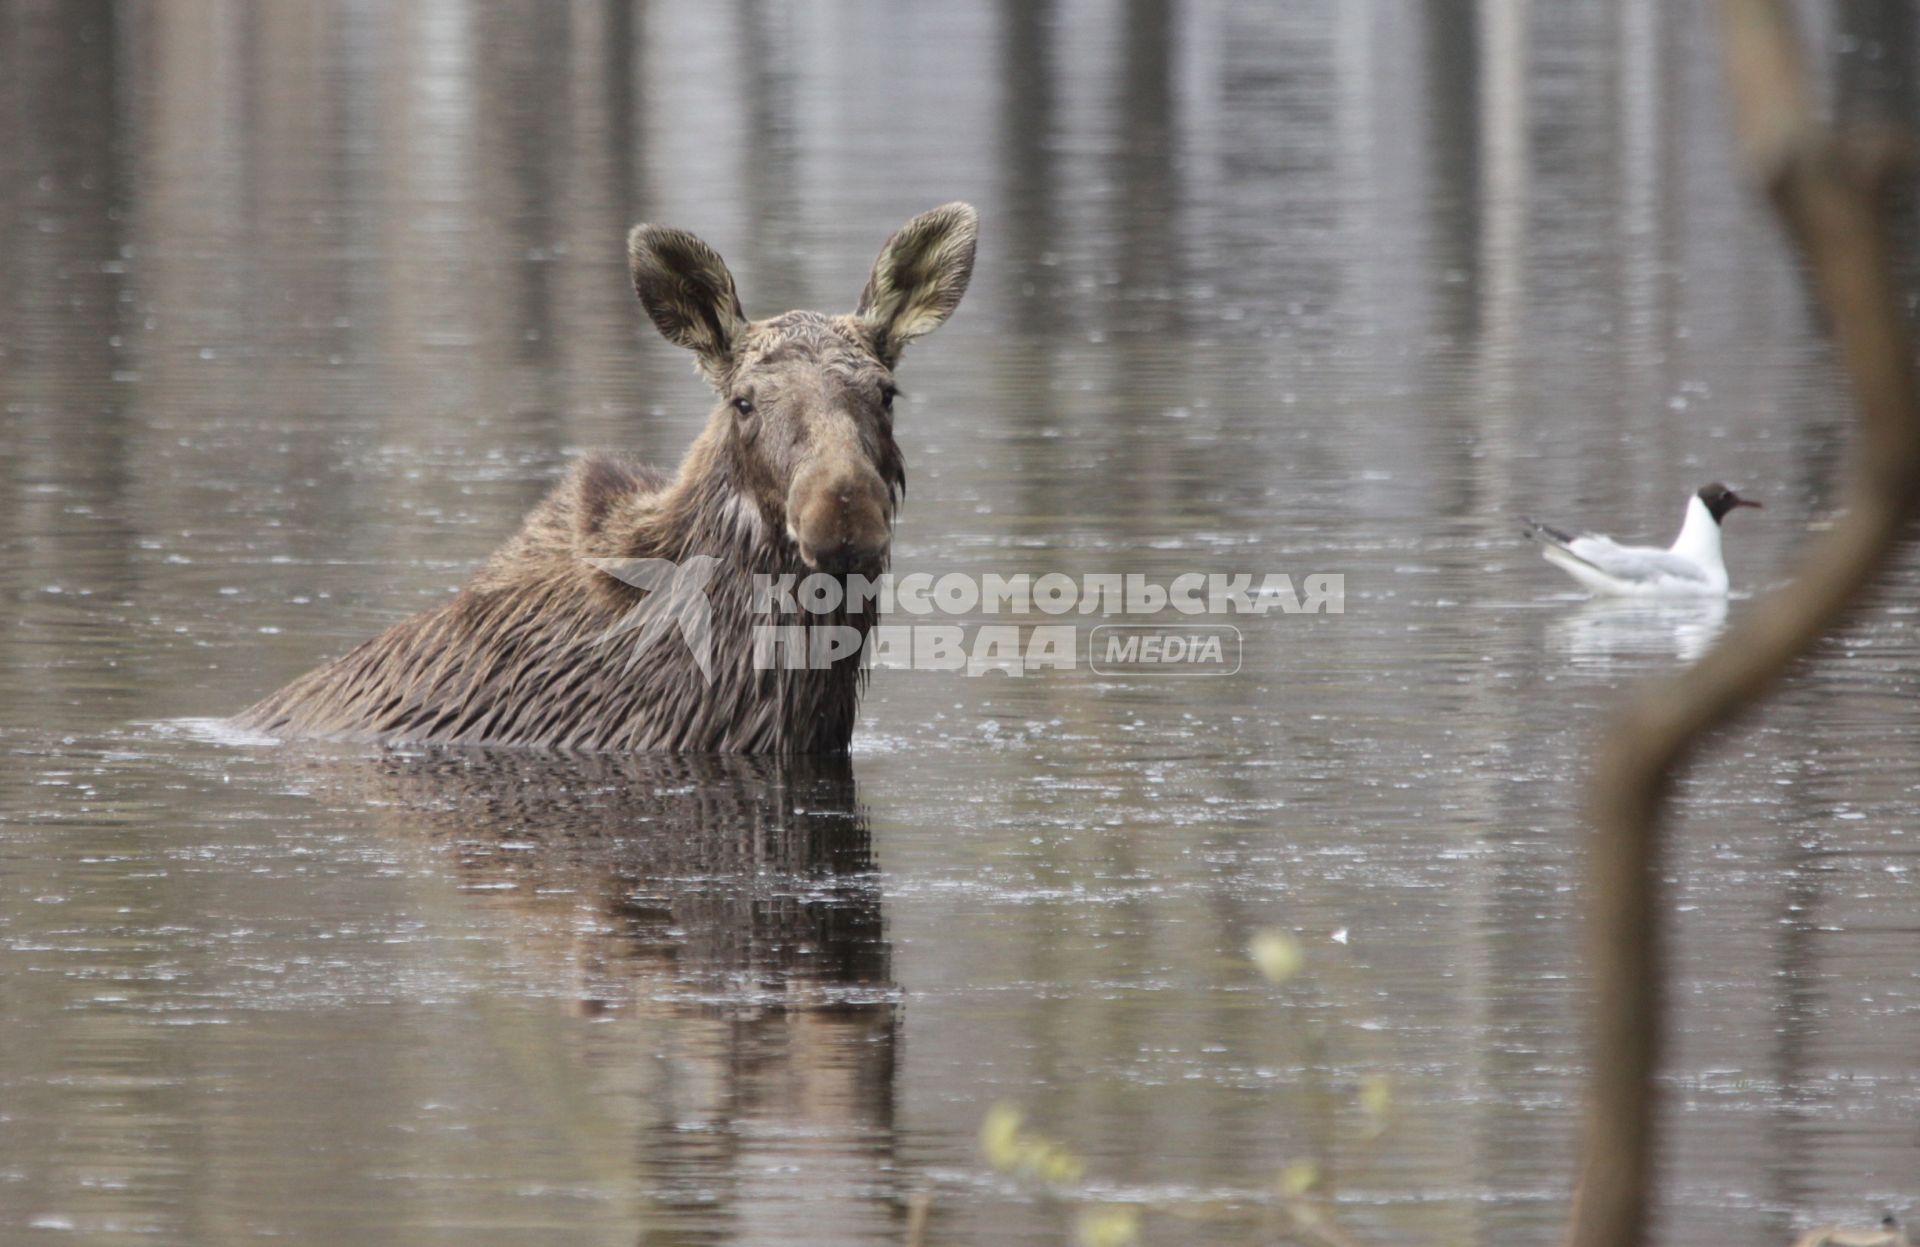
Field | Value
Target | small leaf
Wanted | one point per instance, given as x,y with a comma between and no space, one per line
1054,1163
1107,1227
1376,1101
1013,1149
1299,1178
1277,955
1000,1137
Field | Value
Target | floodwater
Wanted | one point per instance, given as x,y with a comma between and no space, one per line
301,305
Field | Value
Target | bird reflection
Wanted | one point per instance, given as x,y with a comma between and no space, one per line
1606,631
723,916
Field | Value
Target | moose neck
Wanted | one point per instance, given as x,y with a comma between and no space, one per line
706,511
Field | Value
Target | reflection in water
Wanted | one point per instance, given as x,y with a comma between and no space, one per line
734,898
1604,631
709,873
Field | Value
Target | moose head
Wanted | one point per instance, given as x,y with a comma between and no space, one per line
807,398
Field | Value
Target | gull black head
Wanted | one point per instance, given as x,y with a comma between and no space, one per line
1719,500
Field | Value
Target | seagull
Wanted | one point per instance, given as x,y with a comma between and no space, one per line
1690,566
1888,1235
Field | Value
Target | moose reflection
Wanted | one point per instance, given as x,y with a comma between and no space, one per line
722,915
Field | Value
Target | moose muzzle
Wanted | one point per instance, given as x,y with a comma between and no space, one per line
841,517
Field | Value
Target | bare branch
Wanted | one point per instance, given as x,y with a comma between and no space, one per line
1829,193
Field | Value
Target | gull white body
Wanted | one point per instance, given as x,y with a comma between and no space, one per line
1692,567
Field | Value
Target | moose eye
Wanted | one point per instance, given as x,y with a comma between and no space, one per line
743,405
887,395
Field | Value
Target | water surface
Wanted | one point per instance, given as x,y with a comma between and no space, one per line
304,305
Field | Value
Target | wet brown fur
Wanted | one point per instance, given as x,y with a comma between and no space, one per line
810,478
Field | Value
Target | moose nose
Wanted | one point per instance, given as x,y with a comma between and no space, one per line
841,521
844,557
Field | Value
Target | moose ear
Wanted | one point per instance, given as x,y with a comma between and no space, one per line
919,277
687,290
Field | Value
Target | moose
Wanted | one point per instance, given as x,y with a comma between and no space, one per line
796,473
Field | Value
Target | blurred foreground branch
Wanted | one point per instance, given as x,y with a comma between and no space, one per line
1830,191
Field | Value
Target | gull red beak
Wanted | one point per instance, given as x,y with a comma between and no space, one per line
1747,502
